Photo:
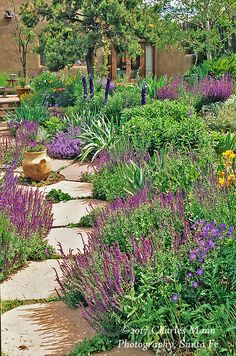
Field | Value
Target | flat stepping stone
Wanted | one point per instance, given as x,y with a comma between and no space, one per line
58,164
72,211
43,329
75,171
36,281
69,238
74,189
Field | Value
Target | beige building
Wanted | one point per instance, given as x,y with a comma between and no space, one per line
170,62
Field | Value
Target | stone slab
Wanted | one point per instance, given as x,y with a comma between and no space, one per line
36,281
58,164
68,238
74,189
75,171
72,211
42,330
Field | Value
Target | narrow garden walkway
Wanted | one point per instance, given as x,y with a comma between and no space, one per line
51,328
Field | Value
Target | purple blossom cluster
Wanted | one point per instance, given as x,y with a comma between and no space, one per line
104,287
214,90
65,144
107,159
27,209
172,91
207,236
209,89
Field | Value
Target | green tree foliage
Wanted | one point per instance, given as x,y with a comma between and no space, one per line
205,26
76,29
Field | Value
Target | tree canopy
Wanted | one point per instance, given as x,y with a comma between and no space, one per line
76,29
205,26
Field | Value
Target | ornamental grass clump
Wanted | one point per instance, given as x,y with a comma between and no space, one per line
65,144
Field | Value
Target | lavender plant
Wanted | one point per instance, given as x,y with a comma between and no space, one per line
65,144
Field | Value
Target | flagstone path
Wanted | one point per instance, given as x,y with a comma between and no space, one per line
52,328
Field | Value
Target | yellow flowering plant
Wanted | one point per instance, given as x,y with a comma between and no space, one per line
227,176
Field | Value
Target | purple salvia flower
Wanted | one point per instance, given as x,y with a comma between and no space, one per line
107,89
85,87
91,86
144,94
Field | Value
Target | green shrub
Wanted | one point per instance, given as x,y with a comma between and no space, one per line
53,126
144,220
207,200
171,171
163,124
109,184
219,67
45,81
15,250
98,343
221,116
208,308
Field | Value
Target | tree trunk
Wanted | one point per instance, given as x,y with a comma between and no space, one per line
90,61
208,51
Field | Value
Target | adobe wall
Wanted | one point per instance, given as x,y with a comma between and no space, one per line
172,62
9,58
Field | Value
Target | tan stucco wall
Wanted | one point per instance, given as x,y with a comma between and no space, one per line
9,58
172,62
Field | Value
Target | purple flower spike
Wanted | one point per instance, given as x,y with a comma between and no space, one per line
85,87
195,284
144,94
189,274
91,87
108,83
175,297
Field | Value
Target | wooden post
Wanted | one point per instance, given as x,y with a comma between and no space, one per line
113,64
142,70
128,67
